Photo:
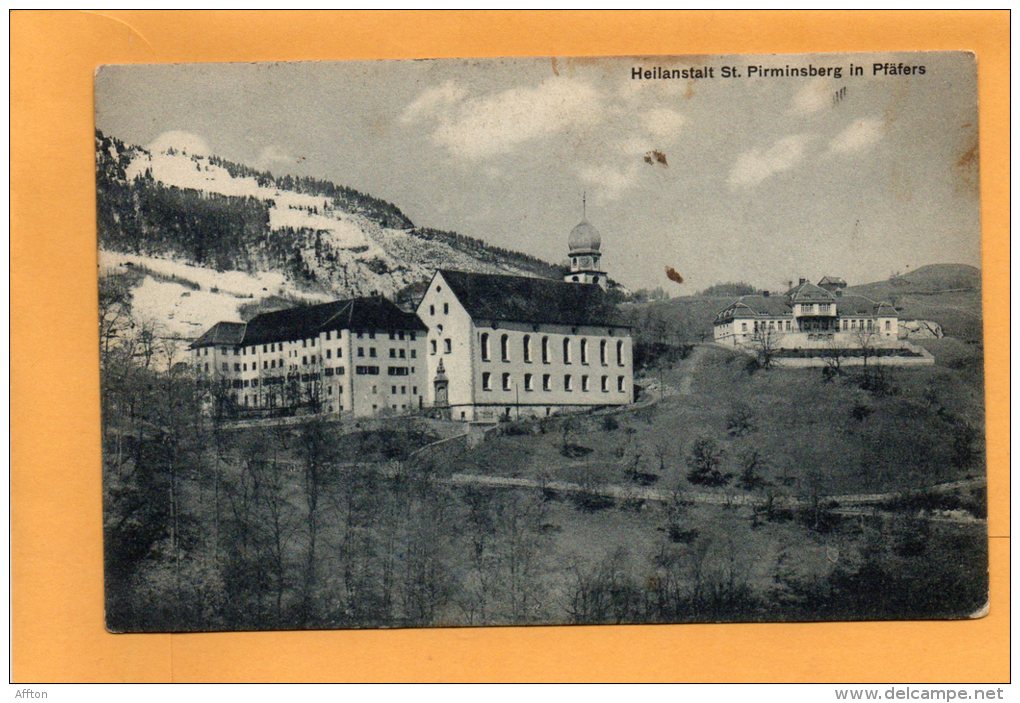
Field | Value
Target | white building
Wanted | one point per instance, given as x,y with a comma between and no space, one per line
516,346
808,316
361,357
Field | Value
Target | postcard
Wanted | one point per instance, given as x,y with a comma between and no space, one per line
660,339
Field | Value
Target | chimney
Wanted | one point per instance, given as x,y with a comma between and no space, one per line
765,293
801,281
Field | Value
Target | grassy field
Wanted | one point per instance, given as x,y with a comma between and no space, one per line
810,436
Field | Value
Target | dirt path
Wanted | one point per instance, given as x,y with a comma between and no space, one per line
693,364
851,504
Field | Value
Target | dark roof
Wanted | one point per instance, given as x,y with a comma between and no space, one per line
488,296
756,306
832,280
810,293
225,333
861,305
368,314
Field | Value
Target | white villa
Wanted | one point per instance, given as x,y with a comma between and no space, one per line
808,316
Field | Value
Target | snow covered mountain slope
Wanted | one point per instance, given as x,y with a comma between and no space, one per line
210,240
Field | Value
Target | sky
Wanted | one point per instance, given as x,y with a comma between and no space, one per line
761,180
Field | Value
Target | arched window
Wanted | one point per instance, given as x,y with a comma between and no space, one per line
584,351
619,351
545,350
527,347
602,353
566,350
504,347
506,381
485,346
605,384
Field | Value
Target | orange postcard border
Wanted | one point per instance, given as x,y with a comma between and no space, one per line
56,548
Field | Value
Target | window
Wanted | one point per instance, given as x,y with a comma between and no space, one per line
485,346
432,344
361,351
446,308
265,364
584,351
504,347
400,334
743,327
602,353
528,383
393,334
371,352
619,351
237,367
486,381
787,325
546,382
304,343
619,384
584,384
888,325
506,381
414,353
263,347
224,366
403,354
304,360
371,335
393,390
566,350
545,350
397,370
329,353
447,346
605,384
367,371
567,383
393,353
526,348
432,309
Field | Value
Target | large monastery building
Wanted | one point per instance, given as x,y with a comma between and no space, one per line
363,356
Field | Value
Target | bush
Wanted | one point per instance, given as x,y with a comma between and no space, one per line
705,459
610,423
740,421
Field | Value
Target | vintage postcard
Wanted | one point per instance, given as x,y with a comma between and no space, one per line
660,339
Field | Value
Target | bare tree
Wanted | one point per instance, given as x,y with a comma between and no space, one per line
765,342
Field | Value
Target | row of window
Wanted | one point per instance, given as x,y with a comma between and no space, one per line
394,353
504,349
305,343
568,382
446,309
844,325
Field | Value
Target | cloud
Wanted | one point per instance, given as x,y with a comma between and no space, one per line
663,123
755,166
609,182
431,101
485,126
816,94
273,154
180,141
860,135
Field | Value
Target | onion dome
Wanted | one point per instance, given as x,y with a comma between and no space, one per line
584,238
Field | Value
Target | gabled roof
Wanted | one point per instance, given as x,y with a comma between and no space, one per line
222,333
368,314
862,305
532,300
748,306
832,281
808,292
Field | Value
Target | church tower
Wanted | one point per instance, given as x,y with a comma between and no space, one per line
585,245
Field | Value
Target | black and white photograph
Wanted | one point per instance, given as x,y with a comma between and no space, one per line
541,341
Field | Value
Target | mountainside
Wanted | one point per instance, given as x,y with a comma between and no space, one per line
207,238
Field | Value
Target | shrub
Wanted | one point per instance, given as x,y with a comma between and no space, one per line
610,423
705,459
740,421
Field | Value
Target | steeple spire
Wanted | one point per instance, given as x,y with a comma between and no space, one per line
584,205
